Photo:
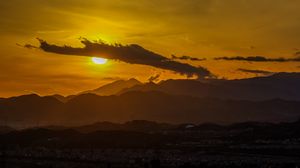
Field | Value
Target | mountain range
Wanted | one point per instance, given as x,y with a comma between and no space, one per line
32,110
274,98
114,87
282,85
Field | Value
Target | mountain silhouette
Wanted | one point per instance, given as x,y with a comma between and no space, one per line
114,87
155,106
30,109
62,98
282,85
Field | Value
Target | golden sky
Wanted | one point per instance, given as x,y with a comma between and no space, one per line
196,28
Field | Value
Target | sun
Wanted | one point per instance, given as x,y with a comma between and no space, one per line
98,60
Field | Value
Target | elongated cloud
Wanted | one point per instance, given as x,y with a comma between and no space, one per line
185,57
133,54
29,46
258,59
255,71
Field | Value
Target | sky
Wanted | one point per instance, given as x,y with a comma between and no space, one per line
223,38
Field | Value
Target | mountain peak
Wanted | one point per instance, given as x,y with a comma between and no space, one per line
133,80
114,87
26,96
282,85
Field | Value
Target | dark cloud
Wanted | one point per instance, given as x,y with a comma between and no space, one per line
184,57
154,78
255,71
258,59
29,46
133,54
297,54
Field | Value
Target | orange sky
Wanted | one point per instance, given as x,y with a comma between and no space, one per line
197,28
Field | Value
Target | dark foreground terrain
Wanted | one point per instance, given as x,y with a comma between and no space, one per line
150,144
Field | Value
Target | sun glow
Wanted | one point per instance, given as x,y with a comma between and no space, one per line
98,60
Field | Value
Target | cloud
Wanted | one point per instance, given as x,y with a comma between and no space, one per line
258,59
258,72
184,57
29,46
154,78
133,54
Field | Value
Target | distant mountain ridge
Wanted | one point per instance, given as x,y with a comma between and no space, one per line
282,85
114,87
105,90
270,99
30,110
